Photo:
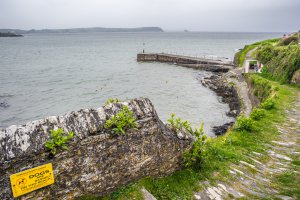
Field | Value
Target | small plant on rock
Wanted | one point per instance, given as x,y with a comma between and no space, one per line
177,124
58,139
122,121
112,100
193,156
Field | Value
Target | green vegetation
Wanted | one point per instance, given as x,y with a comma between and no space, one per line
240,57
257,114
268,104
192,157
280,62
112,100
122,121
58,139
217,154
244,123
289,40
288,183
262,88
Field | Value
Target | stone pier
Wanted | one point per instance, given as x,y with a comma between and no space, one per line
214,65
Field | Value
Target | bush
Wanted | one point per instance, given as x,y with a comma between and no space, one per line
245,124
268,104
122,121
58,139
194,156
280,63
262,88
288,40
257,114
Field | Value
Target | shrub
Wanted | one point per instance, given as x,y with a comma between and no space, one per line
280,62
245,124
194,156
122,121
268,104
262,88
257,113
58,139
288,40
177,124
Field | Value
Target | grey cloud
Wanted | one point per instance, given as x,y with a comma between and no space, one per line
197,15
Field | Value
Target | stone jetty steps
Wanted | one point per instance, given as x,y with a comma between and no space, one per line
214,65
252,179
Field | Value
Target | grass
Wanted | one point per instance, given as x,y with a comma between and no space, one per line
219,154
240,57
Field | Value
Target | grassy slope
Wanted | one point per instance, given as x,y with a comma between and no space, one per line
240,56
218,155
280,62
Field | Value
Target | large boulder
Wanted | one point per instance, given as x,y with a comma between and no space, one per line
98,161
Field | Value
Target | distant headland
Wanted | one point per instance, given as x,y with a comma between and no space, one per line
9,34
84,30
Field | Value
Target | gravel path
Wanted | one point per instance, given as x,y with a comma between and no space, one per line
235,76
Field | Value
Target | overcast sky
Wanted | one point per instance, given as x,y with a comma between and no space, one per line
194,15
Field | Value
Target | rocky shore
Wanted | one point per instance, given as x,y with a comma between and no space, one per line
226,90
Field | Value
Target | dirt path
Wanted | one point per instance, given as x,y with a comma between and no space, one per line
248,58
235,76
254,180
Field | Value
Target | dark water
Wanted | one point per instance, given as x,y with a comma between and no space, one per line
44,75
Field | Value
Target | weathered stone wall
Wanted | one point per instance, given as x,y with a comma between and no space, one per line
147,57
213,65
98,161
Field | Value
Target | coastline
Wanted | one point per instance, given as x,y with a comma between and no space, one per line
226,81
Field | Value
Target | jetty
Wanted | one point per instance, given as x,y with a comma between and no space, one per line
201,63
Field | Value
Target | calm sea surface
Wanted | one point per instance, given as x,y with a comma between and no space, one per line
51,74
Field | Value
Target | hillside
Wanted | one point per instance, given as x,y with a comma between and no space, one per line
85,30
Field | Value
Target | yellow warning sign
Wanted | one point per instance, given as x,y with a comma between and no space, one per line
31,179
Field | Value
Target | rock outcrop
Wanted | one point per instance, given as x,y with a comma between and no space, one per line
10,35
222,88
98,161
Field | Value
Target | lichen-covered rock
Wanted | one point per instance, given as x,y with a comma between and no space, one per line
98,161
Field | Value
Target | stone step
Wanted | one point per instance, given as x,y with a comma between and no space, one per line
147,195
279,156
248,165
285,144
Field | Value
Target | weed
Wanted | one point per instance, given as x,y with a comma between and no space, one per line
58,139
192,157
122,121
112,100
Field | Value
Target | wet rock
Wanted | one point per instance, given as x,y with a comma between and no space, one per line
98,161
220,130
222,88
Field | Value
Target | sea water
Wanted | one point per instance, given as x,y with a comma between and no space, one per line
52,74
